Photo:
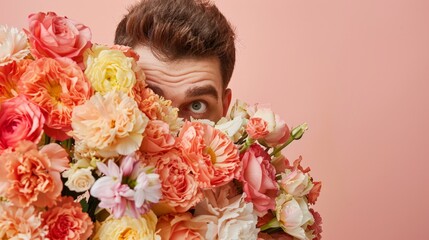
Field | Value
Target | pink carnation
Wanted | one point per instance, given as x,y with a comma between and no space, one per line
29,176
55,36
257,128
157,137
57,86
314,192
258,177
316,227
213,157
67,221
19,120
179,188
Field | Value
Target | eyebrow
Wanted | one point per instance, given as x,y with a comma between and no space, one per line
202,90
156,90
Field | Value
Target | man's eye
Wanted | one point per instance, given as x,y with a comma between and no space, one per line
198,107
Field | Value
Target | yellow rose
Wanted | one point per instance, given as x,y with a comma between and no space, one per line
108,69
127,228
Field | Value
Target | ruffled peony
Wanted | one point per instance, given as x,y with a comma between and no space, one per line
13,45
142,228
180,226
10,76
32,177
110,69
258,177
180,190
56,36
21,223
226,217
109,124
57,86
19,120
213,157
67,221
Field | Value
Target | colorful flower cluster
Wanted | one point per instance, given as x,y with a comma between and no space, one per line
87,150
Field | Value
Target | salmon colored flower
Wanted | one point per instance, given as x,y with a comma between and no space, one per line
10,76
56,36
180,226
258,177
21,223
67,221
110,124
32,177
212,156
157,137
13,45
179,188
314,192
278,131
19,120
57,86
315,229
257,128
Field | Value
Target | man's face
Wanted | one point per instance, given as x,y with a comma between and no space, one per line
193,85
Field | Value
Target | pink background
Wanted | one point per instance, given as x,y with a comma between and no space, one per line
356,71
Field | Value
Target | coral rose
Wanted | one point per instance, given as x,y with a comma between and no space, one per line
180,226
111,124
19,120
142,228
213,157
258,177
56,36
10,76
257,128
179,187
21,223
157,137
57,86
67,221
13,45
32,177
278,131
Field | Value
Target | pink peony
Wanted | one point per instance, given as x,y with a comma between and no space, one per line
257,128
57,86
10,76
19,120
180,226
55,36
32,177
21,223
157,137
213,157
67,221
179,188
258,177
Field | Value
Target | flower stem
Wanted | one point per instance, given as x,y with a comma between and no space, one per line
274,223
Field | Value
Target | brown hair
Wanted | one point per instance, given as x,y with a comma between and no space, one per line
176,29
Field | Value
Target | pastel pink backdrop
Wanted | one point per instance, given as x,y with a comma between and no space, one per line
356,71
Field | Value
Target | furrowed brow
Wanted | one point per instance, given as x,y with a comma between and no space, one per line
157,90
202,90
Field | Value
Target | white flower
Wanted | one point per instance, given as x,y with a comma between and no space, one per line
79,180
13,45
239,108
295,183
227,218
234,128
293,215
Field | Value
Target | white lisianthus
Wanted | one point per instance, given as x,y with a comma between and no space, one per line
79,180
13,45
234,128
227,218
295,183
239,108
293,215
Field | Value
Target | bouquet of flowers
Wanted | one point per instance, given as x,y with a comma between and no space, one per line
87,150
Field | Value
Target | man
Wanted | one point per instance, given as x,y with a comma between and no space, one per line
187,52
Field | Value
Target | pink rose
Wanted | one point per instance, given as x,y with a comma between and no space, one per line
179,187
278,131
257,128
54,36
157,137
32,177
258,177
57,86
67,221
180,226
19,120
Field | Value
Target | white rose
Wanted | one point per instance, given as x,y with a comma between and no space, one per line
295,183
79,180
293,215
239,108
278,131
